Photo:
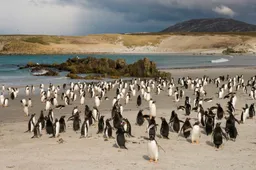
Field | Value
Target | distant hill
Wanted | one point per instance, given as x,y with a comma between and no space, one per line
211,25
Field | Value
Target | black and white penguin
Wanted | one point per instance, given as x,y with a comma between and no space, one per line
251,111
1,99
120,138
95,114
164,130
153,152
209,123
139,101
108,129
37,130
49,126
186,128
29,102
175,122
220,111
152,109
76,121
195,133
62,124
12,95
218,136
245,113
117,120
85,128
97,101
47,105
56,128
31,123
101,125
6,102
127,127
140,118
25,110
42,119
230,126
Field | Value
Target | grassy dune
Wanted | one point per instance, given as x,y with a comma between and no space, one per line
44,44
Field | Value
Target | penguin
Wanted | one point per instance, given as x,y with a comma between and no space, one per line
117,120
82,99
49,126
6,102
29,102
95,114
101,125
55,102
186,128
152,109
25,109
31,123
175,122
140,119
230,126
217,136
37,130
139,101
62,124
76,121
195,133
152,127
176,96
251,111
56,128
42,119
85,128
108,130
153,152
127,127
1,99
12,95
27,90
245,113
209,123
51,115
164,130
220,111
47,105
120,138
75,110
97,101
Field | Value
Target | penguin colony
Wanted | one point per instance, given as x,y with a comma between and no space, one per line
208,119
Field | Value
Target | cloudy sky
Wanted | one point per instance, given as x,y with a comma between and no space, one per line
81,17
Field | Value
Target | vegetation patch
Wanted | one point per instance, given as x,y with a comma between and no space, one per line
232,51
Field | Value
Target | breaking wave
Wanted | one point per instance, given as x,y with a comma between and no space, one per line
222,60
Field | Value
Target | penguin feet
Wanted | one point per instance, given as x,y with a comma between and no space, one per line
197,142
151,160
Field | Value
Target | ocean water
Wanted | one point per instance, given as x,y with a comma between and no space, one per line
10,74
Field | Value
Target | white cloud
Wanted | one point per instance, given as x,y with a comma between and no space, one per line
224,10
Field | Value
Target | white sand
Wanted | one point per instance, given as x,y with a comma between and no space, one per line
19,151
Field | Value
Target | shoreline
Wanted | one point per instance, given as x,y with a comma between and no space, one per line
135,53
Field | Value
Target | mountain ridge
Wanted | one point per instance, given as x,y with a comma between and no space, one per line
211,25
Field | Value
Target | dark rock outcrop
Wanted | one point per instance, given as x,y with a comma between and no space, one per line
105,67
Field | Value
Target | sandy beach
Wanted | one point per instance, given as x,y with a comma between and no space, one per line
19,151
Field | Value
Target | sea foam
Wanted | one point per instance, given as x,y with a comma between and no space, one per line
222,60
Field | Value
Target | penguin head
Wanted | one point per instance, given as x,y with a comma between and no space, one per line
218,124
196,123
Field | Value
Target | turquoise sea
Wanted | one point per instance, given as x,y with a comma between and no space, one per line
12,76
